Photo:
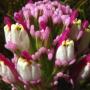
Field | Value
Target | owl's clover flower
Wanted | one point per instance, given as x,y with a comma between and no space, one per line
28,70
7,70
48,42
67,57
14,38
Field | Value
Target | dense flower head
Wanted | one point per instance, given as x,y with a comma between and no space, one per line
47,38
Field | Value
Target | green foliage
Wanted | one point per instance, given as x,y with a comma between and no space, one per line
83,6
4,86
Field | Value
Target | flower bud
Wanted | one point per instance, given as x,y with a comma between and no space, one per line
7,21
65,19
7,70
65,52
17,36
27,15
74,15
28,70
7,33
85,24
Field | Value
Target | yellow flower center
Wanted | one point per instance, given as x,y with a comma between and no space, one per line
67,42
17,26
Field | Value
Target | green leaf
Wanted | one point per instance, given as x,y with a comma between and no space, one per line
4,86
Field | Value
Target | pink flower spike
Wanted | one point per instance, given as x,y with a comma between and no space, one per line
50,55
27,14
45,33
26,55
37,34
80,34
42,50
32,31
42,25
42,22
37,55
63,8
74,15
68,9
56,19
19,18
85,24
7,21
64,36
67,21
34,57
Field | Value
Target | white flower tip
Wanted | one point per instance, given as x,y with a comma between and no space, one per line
6,28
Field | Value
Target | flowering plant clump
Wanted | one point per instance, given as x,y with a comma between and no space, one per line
49,44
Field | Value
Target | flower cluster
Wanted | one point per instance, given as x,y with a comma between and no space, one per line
49,42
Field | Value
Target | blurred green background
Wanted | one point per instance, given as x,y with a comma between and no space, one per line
8,7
